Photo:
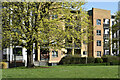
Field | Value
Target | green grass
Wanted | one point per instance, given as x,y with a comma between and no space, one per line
62,72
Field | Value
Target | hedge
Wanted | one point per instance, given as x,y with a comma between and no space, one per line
109,60
113,60
98,60
76,60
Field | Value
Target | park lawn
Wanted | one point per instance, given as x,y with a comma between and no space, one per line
63,72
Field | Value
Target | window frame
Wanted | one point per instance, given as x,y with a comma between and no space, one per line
98,22
98,41
85,52
54,54
98,32
99,54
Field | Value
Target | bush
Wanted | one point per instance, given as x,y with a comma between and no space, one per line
112,60
98,60
108,60
104,59
76,60
70,60
90,60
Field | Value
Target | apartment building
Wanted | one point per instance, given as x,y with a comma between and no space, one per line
101,33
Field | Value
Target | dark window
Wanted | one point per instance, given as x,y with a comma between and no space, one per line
84,52
98,53
98,32
112,17
98,22
98,43
54,53
17,51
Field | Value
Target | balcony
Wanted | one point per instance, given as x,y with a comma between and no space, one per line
106,25
69,45
106,35
106,46
115,48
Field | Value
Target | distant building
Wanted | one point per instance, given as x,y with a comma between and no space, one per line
119,6
115,35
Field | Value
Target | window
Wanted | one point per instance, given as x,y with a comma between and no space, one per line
84,52
99,53
98,43
17,51
54,53
98,22
98,32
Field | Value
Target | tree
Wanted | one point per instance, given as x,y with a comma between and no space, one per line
77,23
43,23
28,23
116,30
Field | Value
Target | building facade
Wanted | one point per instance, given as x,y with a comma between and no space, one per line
101,32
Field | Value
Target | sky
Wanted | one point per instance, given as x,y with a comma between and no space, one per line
113,6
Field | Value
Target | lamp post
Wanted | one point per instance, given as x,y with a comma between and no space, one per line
15,56
86,52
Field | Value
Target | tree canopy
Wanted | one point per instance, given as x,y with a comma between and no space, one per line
49,24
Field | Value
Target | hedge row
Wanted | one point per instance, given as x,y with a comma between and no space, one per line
76,60
113,60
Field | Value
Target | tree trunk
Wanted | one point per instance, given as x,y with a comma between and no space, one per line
36,51
29,58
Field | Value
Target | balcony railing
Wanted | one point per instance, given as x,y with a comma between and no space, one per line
115,48
106,35
106,25
106,46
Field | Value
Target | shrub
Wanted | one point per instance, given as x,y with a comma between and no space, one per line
98,60
70,60
76,60
83,60
90,60
104,59
113,60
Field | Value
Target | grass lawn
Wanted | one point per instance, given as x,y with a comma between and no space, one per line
63,72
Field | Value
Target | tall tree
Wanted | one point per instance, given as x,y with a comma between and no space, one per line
116,30
49,24
28,23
